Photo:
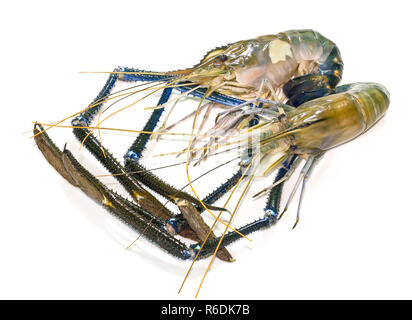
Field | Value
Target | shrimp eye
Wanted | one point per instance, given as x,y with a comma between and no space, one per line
223,57
218,62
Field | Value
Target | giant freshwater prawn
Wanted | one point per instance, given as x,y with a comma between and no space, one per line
263,105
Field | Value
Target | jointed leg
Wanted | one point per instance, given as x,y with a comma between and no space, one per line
305,179
143,218
303,176
178,223
273,202
142,197
131,185
134,216
136,149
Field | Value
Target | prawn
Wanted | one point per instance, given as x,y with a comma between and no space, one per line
280,90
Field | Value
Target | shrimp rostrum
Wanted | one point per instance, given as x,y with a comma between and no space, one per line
279,94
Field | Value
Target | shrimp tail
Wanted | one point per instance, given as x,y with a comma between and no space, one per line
305,88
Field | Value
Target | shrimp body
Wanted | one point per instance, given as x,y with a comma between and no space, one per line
327,122
238,69
330,121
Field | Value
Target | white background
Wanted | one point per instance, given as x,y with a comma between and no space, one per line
354,240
